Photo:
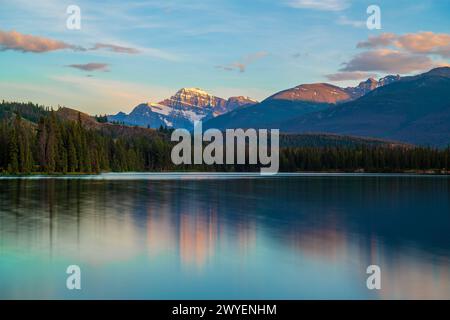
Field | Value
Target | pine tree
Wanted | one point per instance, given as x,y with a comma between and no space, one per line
13,166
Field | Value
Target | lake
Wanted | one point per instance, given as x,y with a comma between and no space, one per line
216,236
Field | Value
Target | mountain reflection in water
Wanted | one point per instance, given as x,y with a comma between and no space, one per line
277,238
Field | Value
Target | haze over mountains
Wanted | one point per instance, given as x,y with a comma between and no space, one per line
409,109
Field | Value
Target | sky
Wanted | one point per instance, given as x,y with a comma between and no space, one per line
129,52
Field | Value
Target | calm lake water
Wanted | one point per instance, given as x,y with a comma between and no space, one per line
214,236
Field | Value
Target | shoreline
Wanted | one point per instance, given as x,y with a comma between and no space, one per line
211,174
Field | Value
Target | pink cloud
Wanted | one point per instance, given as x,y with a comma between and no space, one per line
426,42
355,75
383,40
390,61
420,43
13,40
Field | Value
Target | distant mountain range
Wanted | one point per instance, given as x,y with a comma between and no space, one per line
292,103
415,110
180,110
412,109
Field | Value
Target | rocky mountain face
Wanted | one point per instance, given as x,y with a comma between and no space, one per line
237,102
370,84
187,98
180,110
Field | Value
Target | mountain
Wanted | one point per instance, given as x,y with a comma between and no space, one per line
281,107
328,93
294,102
369,85
315,93
112,130
187,98
267,114
180,110
237,102
413,109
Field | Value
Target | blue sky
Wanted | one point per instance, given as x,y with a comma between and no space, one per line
150,49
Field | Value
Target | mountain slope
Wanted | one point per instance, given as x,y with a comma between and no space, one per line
415,110
294,102
180,110
315,93
267,114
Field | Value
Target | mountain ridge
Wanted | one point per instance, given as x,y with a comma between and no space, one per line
181,109
413,109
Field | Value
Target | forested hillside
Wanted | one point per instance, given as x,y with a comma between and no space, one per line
36,139
54,145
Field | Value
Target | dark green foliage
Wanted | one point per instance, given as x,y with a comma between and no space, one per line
52,145
28,111
365,158
42,142
101,119
329,140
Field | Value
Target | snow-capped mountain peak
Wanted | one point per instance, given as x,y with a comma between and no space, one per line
181,110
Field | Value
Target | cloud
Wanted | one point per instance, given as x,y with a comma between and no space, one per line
383,40
418,43
392,53
355,75
13,40
324,5
390,61
426,42
344,21
242,65
115,48
153,52
299,55
93,66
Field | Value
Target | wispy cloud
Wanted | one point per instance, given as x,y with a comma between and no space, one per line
93,66
344,21
346,76
242,65
115,48
324,5
13,40
299,55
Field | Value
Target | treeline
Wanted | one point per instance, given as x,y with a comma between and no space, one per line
293,140
365,158
28,111
34,139
56,146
